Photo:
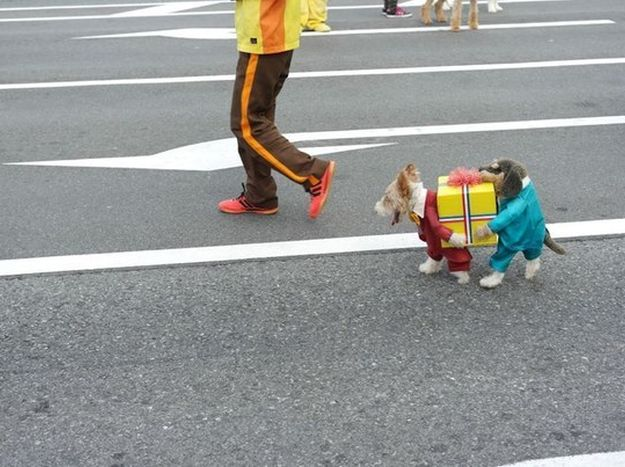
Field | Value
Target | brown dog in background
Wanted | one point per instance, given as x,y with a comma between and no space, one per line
456,13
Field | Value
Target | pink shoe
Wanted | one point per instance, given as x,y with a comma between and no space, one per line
319,192
241,205
398,13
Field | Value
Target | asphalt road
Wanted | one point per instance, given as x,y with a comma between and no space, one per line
331,360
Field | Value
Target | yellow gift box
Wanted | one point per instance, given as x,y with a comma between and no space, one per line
463,209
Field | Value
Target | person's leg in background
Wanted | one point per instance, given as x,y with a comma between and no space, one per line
391,10
315,15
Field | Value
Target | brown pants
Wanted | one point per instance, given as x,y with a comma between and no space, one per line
259,79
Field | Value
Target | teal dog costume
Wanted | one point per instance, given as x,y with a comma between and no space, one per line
520,223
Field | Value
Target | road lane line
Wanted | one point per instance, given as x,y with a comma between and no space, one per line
605,459
322,74
230,34
263,251
409,3
81,7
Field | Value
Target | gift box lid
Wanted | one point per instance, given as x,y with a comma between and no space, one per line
473,200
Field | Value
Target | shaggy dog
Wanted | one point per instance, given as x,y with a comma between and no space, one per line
493,6
407,196
520,223
456,12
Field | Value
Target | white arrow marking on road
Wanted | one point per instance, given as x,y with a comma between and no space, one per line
255,251
98,6
165,9
207,157
186,33
222,153
229,33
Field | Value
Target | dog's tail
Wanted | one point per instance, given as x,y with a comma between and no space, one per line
552,244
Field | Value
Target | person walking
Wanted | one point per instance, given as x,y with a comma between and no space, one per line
315,15
268,31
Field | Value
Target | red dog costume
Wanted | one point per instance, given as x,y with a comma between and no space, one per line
431,231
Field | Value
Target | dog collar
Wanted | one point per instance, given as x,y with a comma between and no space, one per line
414,218
419,195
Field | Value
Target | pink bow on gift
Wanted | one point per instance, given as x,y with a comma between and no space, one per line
463,176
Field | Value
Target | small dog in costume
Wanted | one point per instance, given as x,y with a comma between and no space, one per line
407,196
520,223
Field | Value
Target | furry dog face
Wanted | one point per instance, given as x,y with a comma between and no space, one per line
507,175
396,199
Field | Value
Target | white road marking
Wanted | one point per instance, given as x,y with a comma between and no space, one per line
257,251
206,157
165,9
86,7
323,74
609,459
330,7
229,33
409,3
222,154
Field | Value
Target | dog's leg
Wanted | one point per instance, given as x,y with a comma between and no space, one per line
425,13
462,276
473,20
492,281
456,15
431,266
493,6
531,268
441,17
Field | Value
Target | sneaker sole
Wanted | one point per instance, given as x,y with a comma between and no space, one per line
331,168
265,212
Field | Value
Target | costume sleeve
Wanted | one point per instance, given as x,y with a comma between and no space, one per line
421,233
513,210
432,217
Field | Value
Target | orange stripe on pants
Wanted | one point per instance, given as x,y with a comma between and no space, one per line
247,131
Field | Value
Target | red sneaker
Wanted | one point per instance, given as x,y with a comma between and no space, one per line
241,205
319,192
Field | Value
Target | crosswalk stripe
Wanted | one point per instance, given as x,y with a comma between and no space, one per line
263,251
322,74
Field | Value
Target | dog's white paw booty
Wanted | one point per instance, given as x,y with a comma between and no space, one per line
493,6
531,268
493,280
431,266
462,276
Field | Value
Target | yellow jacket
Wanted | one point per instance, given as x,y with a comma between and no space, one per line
267,26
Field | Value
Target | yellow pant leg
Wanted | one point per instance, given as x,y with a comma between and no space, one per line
314,12
304,13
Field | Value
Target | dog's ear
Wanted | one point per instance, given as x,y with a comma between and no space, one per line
403,184
412,173
513,181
